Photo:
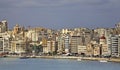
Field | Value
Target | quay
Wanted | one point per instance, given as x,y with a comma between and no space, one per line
71,57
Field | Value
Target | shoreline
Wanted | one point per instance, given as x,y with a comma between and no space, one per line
70,57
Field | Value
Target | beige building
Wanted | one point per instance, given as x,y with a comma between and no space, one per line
50,48
82,49
18,46
93,49
74,42
44,44
3,26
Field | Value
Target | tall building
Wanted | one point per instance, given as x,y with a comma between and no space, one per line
61,44
103,46
51,46
4,42
67,44
114,45
74,43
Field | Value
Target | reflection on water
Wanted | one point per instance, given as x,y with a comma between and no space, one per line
54,64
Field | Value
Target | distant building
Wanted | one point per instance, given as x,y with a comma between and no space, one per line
18,46
117,28
67,44
114,45
93,49
3,26
82,49
103,46
61,44
74,43
44,44
51,47
4,42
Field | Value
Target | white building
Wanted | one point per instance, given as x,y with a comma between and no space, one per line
67,44
4,42
114,45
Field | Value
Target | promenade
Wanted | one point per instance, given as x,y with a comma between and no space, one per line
83,58
71,57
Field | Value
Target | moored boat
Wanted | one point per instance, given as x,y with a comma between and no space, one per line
103,61
24,57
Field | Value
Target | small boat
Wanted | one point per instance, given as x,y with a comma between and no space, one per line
78,59
103,61
33,56
24,57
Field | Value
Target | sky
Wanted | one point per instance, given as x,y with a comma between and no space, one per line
58,14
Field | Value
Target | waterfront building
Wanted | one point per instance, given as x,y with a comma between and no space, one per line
93,49
103,46
18,46
44,44
114,45
61,44
96,50
51,46
67,44
82,49
5,42
74,42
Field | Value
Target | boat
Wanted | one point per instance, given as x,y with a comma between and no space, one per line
103,61
24,57
33,56
78,59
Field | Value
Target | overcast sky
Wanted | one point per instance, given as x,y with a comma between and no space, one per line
57,14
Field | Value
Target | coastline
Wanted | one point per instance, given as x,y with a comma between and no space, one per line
71,57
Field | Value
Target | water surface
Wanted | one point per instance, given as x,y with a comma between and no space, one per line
54,64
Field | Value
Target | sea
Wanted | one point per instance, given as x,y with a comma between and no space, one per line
55,64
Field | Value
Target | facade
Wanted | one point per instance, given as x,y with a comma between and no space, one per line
5,42
18,47
93,49
74,42
61,45
82,49
17,29
3,26
67,44
51,47
114,45
103,46
44,44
